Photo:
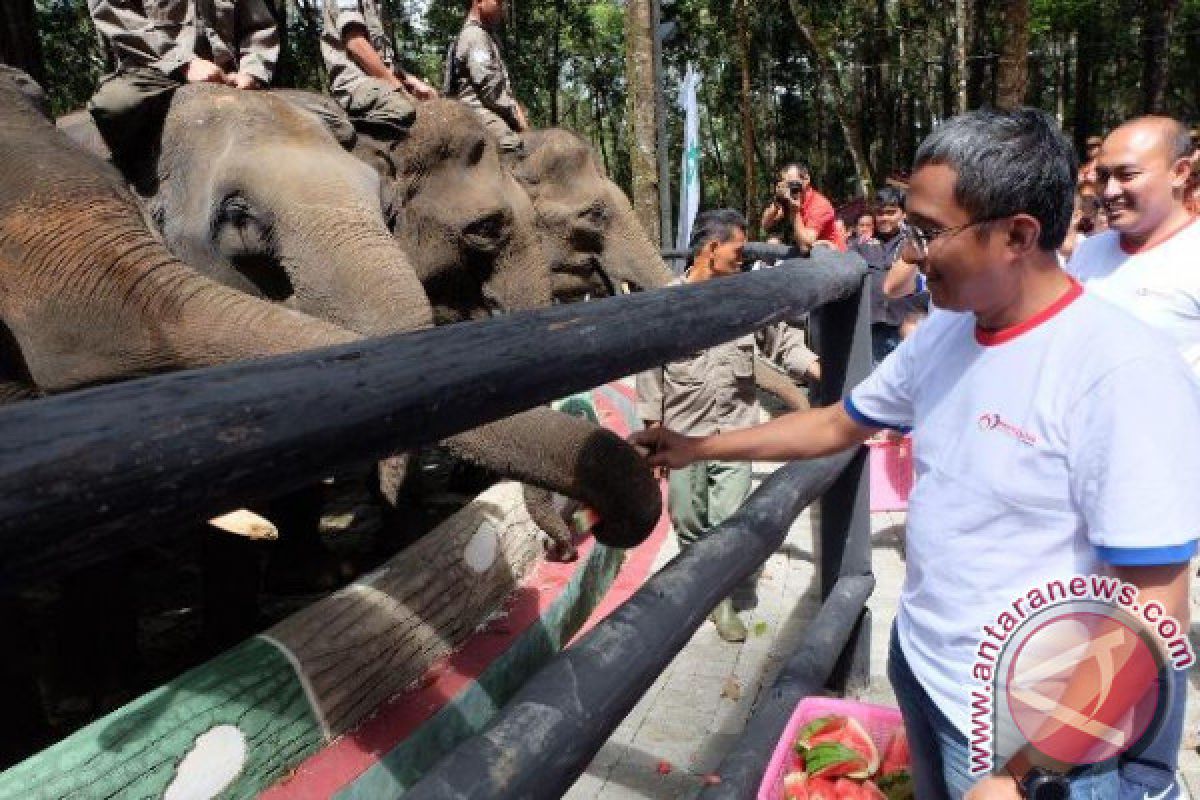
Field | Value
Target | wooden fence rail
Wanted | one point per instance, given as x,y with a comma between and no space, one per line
89,473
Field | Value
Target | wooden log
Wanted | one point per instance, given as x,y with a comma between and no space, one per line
366,642
134,459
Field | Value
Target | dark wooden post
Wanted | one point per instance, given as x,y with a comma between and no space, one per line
843,333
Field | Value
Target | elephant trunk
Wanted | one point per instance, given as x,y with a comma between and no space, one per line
521,278
97,298
355,275
573,457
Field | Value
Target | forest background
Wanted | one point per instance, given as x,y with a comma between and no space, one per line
847,86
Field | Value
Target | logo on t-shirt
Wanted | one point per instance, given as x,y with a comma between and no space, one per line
994,422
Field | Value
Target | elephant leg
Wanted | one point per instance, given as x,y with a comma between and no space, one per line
573,457
539,503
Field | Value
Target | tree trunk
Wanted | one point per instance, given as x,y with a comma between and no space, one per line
743,34
19,45
1084,119
1156,52
643,153
1012,77
556,62
960,51
830,80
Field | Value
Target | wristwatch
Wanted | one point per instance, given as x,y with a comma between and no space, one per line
1039,784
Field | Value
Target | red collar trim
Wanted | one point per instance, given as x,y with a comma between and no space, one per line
1130,250
992,338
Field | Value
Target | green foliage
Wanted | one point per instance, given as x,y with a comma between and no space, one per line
71,53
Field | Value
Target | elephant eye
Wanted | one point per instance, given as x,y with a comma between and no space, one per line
595,214
235,211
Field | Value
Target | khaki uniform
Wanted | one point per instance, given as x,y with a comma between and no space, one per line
709,392
370,102
154,40
476,75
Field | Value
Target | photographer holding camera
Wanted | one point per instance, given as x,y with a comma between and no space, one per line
809,213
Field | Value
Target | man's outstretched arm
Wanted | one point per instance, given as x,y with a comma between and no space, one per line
799,435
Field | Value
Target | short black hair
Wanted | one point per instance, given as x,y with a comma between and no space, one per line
889,196
797,165
718,224
1008,162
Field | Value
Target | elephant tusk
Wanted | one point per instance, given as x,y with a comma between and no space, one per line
625,288
246,523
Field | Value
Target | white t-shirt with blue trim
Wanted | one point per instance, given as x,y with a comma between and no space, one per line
1047,450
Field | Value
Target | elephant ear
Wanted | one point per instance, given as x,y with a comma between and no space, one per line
28,88
326,110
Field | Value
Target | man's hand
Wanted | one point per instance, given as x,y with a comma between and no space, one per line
666,448
201,70
240,80
418,88
994,787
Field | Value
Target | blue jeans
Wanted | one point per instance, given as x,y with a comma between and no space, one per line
939,750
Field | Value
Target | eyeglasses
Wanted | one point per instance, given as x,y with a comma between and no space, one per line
922,237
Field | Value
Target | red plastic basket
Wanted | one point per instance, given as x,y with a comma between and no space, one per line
891,465
879,721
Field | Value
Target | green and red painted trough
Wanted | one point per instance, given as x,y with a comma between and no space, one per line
359,694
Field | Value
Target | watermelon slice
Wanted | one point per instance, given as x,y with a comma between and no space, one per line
896,757
817,727
847,789
795,786
821,789
843,730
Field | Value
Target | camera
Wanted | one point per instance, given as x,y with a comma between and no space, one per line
794,187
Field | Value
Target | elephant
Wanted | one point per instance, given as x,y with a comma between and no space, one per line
254,191
587,229
88,296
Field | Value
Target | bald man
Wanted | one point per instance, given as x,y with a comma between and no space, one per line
1147,261
1147,264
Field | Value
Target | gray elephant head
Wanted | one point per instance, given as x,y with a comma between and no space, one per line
586,225
467,223
255,192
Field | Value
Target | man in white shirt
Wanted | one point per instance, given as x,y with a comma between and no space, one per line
1147,262
1034,462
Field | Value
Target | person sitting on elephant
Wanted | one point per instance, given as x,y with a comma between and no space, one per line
477,76
364,75
161,45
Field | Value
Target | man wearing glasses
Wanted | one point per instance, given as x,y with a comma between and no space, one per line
1035,461
808,214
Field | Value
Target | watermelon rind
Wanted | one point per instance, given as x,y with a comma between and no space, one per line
834,759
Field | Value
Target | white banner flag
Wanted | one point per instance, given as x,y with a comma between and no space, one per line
689,173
